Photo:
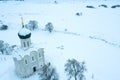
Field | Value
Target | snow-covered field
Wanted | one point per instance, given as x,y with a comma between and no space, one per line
92,37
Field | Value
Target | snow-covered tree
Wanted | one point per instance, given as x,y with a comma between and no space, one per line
32,25
1,46
49,27
75,69
48,73
5,48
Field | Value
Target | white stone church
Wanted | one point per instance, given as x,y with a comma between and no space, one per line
29,59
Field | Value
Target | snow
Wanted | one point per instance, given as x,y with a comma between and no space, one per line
92,37
19,52
24,32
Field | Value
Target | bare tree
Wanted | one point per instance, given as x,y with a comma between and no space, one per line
75,69
48,73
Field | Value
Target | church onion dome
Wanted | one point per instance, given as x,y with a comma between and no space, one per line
24,33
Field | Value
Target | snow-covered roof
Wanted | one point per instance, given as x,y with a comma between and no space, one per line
24,33
19,53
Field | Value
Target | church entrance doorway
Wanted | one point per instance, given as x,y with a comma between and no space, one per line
34,69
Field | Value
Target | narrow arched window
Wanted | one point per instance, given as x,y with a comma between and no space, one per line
39,55
28,44
32,58
25,61
24,44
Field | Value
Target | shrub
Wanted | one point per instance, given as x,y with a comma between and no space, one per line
79,14
65,30
55,2
114,6
3,27
90,7
48,73
103,5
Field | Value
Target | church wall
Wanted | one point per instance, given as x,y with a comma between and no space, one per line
40,56
29,63
25,42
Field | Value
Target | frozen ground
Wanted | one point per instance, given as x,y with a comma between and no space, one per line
92,37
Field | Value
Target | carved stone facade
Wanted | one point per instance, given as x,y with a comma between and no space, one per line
29,60
29,64
25,43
